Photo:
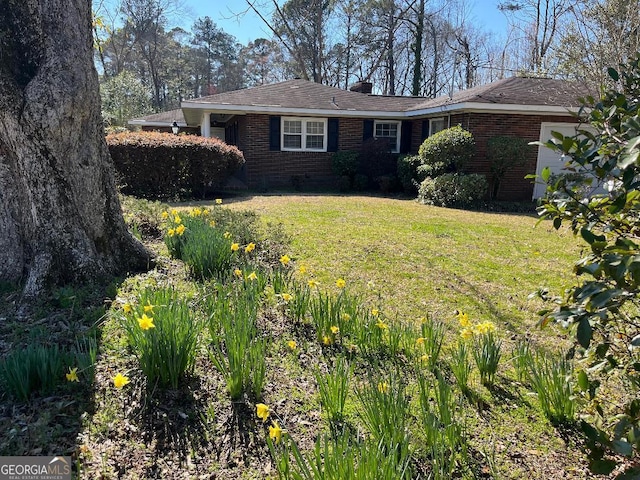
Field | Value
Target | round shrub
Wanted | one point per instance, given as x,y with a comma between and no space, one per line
162,165
453,190
447,151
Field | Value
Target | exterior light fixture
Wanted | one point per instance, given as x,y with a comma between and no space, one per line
175,128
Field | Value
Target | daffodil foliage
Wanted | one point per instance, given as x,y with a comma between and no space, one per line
599,199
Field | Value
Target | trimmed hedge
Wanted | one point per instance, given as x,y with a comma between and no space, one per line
447,151
162,165
453,190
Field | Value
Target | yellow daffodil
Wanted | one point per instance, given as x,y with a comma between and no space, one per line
235,247
171,232
375,312
326,340
120,380
180,229
466,333
463,318
218,201
177,219
275,432
238,273
335,330
146,322
381,325
126,308
252,276
196,212
287,297
148,307
284,260
485,327
165,215
420,341
249,248
345,317
292,344
212,223
262,411
340,283
312,283
302,269
423,319
227,235
174,212
424,358
72,376
383,387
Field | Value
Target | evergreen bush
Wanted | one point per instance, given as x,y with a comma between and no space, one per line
447,151
453,190
162,165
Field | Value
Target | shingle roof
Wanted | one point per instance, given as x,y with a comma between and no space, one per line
162,118
303,95
516,91
308,95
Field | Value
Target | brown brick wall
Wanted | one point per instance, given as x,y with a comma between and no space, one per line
269,169
486,125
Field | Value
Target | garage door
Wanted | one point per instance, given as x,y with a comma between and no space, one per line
550,158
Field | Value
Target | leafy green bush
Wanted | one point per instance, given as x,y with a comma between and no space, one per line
345,163
603,309
161,165
361,182
453,190
408,173
447,151
505,153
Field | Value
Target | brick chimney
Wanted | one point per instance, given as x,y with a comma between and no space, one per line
362,87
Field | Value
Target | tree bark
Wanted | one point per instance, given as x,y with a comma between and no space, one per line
60,217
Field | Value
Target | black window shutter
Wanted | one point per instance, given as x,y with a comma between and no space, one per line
367,129
425,129
274,133
333,130
405,136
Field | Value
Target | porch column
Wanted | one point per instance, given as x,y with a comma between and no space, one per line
206,124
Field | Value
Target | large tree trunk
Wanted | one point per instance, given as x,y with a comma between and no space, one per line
60,217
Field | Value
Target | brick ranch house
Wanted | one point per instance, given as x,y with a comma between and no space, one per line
290,129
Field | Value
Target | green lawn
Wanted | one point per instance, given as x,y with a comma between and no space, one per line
426,260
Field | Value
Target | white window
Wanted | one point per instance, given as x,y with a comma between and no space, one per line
437,124
304,134
389,130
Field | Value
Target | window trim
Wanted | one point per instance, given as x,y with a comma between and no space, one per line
398,124
445,119
303,134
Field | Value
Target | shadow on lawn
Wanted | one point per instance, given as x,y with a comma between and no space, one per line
468,289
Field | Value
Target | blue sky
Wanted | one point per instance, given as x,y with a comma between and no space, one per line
249,26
